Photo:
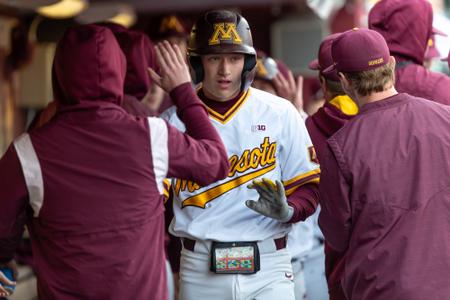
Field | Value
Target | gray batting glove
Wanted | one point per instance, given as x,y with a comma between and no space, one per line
272,200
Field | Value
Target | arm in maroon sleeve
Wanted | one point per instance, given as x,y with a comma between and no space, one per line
13,200
199,155
335,213
304,201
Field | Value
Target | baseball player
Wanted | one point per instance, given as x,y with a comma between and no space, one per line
234,231
385,189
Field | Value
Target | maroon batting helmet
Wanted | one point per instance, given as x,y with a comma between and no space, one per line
218,32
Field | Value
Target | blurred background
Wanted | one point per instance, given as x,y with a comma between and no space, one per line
290,30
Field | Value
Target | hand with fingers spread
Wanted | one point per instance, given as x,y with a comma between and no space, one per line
5,281
288,89
272,201
285,87
173,68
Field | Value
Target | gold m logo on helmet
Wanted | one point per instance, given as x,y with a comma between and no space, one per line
224,32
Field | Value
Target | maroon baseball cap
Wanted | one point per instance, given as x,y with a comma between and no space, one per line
358,50
324,58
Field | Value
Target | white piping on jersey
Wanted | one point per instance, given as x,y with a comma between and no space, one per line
31,171
159,140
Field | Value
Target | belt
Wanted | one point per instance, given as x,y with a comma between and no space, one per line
280,243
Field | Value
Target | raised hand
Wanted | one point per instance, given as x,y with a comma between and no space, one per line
173,68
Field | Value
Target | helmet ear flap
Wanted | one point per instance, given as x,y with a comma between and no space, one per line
197,72
248,72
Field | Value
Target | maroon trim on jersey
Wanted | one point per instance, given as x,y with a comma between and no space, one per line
218,106
229,108
302,181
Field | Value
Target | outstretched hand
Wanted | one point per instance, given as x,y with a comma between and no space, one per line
289,89
173,68
272,200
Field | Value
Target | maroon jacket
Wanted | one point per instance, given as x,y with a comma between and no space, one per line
385,195
139,53
407,27
322,125
89,182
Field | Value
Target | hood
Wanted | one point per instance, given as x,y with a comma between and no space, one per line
140,54
88,66
405,25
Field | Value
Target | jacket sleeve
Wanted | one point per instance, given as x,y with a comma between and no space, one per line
335,215
199,154
13,203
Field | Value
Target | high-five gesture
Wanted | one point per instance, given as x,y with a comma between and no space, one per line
289,89
173,68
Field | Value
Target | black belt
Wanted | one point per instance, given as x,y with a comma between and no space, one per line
280,243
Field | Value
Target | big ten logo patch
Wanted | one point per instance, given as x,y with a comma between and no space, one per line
258,128
313,155
224,32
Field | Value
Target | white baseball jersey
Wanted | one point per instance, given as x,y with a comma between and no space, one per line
265,137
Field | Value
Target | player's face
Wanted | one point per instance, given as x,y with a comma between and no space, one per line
222,80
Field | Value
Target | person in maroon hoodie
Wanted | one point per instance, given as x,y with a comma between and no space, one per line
335,113
140,54
88,184
407,28
385,188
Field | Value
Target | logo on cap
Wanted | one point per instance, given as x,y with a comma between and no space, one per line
224,32
376,61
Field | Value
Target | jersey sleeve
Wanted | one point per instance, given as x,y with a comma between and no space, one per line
299,164
13,202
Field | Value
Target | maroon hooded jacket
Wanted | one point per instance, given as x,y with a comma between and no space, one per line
385,198
407,27
139,53
89,182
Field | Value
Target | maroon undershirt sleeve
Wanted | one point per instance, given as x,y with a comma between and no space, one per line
304,201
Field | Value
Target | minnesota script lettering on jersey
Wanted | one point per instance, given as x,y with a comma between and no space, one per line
261,159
